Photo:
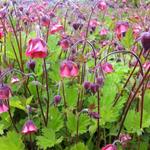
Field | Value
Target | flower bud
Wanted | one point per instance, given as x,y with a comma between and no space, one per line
87,85
145,40
57,99
94,87
5,92
31,65
100,81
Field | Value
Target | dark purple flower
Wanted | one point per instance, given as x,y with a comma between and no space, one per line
87,85
94,87
145,40
31,64
77,26
94,115
100,81
57,99
5,92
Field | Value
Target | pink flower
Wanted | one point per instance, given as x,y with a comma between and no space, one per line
124,1
103,32
124,139
14,80
37,48
1,34
109,147
5,92
64,44
29,127
136,31
102,5
3,107
107,67
121,28
68,69
45,21
94,23
146,65
56,28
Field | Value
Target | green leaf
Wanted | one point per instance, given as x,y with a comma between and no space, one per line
71,96
56,121
132,122
79,146
11,142
84,122
48,139
128,40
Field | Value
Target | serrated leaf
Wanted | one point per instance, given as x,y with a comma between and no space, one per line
56,121
84,122
48,139
79,146
11,142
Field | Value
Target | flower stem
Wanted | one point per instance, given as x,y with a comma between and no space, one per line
47,90
131,100
11,118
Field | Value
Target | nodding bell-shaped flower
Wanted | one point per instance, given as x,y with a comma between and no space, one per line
31,64
124,139
69,69
107,67
57,99
5,92
64,44
45,21
3,107
109,147
87,85
121,29
14,80
56,28
103,32
102,5
29,127
145,40
94,87
94,115
36,48
77,26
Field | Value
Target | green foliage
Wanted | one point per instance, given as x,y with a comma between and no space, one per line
20,102
12,141
128,40
79,146
56,121
84,122
48,139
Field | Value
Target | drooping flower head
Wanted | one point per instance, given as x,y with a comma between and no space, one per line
145,40
102,5
5,92
124,139
109,147
3,107
14,80
36,48
45,21
29,127
121,28
57,99
69,69
56,28
107,67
